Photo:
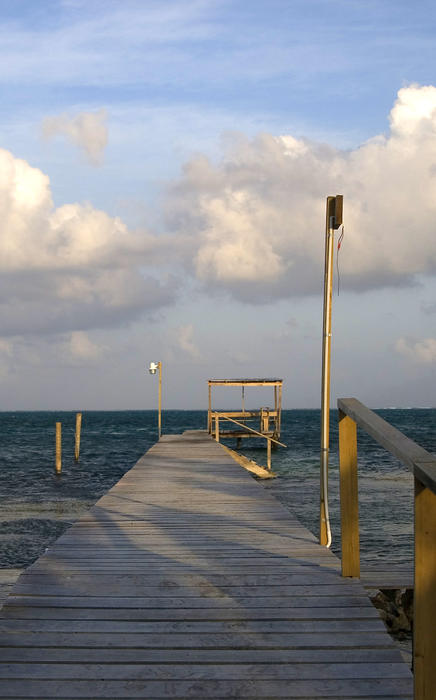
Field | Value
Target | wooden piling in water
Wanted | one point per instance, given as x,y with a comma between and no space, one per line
58,462
77,436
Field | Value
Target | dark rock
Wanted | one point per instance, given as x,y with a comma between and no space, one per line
395,607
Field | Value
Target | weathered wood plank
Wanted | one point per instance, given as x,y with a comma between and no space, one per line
205,589
312,599
261,671
234,639
236,614
158,627
194,656
315,688
187,580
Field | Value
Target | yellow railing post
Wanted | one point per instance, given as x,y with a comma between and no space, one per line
423,466
424,614
268,454
349,495
217,428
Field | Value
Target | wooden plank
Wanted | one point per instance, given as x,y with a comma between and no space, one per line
191,581
205,590
189,656
380,578
232,639
317,688
234,614
232,671
194,627
313,598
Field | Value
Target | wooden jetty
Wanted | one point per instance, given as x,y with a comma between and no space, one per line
189,580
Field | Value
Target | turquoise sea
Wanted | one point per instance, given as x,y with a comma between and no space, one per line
37,505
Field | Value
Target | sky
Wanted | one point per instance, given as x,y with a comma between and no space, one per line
164,167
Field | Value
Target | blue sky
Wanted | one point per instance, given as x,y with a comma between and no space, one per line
181,154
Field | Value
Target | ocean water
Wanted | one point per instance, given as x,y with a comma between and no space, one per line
38,505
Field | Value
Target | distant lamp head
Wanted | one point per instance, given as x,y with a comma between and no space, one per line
154,366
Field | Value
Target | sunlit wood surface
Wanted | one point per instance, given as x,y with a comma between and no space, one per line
189,580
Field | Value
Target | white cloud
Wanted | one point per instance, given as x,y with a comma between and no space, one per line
184,341
421,351
256,219
43,352
86,130
82,349
70,268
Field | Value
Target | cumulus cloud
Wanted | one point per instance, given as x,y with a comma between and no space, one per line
72,268
184,341
74,349
82,349
421,351
86,130
255,220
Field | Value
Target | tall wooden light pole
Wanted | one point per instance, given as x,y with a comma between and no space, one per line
333,221
152,369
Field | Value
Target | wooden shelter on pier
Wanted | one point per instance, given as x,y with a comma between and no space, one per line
266,420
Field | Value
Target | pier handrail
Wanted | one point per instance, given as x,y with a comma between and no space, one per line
353,413
268,439
247,427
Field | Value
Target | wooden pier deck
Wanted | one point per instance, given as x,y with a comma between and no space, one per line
189,580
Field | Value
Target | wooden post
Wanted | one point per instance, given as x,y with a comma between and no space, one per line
268,454
279,427
209,412
275,410
264,420
349,496
77,436
424,623
58,462
217,428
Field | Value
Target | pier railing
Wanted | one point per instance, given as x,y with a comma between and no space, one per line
422,464
221,416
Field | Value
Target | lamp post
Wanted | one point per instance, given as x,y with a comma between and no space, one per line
333,221
154,366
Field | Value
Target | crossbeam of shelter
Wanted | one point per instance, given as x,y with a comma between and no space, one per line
265,420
